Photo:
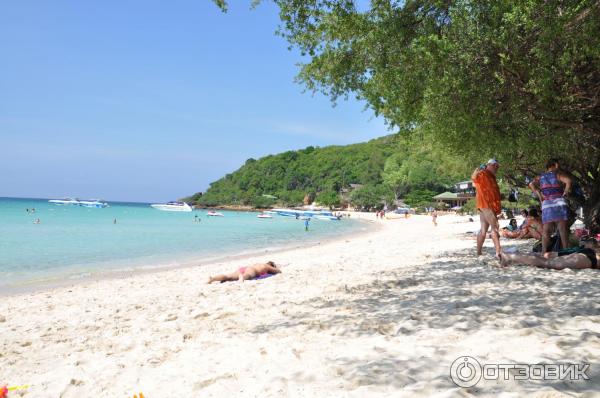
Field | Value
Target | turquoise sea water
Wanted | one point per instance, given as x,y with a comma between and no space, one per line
71,241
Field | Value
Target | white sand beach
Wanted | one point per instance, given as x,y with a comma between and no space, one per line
383,314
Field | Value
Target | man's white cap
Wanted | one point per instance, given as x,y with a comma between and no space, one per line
492,161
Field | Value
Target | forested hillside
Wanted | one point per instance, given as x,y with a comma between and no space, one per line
388,168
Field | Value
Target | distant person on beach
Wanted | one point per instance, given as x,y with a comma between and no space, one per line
434,216
552,187
488,203
246,273
585,256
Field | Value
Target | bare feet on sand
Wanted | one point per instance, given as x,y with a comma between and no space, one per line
504,260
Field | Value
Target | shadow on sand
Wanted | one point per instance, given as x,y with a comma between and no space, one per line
458,293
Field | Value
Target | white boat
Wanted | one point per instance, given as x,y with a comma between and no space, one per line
92,203
95,203
264,215
326,218
65,201
303,214
172,206
214,214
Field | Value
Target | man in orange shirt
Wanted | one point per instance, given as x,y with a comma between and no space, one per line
488,203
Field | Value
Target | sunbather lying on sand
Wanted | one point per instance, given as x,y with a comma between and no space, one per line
245,273
586,256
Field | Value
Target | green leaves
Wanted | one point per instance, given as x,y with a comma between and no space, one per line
515,79
478,75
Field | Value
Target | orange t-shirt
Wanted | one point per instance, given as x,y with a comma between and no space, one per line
488,193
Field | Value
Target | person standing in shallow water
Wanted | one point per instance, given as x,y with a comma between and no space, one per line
488,203
306,224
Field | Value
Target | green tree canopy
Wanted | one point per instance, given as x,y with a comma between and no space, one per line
519,80
287,177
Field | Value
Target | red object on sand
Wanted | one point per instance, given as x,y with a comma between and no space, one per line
3,391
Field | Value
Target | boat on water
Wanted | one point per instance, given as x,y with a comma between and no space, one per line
94,203
214,214
172,206
264,215
327,218
303,214
65,201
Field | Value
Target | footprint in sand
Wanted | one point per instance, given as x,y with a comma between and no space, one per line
207,382
71,389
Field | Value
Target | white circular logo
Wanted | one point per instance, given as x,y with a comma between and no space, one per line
465,371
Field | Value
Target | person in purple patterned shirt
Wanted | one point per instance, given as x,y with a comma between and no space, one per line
552,187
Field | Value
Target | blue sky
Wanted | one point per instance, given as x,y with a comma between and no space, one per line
151,101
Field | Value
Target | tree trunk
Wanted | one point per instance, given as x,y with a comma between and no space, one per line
591,214
591,211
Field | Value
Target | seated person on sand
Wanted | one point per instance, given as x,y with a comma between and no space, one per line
511,230
525,215
533,227
245,273
585,256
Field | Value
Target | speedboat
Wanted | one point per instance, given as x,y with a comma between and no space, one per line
264,215
80,202
92,203
305,213
172,206
65,201
327,218
214,214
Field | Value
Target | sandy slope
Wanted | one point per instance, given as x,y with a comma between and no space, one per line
382,315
